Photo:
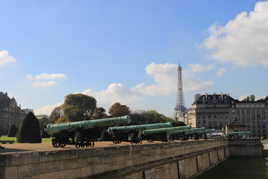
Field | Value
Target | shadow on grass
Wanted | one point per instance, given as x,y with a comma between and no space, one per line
240,168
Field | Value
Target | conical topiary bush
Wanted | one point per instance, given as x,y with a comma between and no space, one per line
29,130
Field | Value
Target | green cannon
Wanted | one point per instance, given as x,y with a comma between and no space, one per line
133,133
83,133
210,131
238,135
165,134
196,131
139,127
72,126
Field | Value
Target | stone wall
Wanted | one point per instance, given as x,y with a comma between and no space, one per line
242,148
159,160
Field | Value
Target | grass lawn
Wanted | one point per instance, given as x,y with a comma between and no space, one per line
7,138
44,140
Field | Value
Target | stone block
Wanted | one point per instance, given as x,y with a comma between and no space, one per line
137,175
213,157
203,161
164,171
188,167
10,172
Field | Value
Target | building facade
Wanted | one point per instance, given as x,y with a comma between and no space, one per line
10,113
218,110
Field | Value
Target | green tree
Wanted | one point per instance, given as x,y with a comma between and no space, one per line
55,114
148,117
76,107
12,131
100,113
29,130
119,110
43,122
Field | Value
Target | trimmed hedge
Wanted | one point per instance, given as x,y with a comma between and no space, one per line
29,130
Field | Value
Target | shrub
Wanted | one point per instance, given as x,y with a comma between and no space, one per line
12,131
119,110
29,130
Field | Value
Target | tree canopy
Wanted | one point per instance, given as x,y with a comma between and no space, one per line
76,107
119,110
150,116
29,130
100,113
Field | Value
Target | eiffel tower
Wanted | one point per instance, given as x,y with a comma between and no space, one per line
180,108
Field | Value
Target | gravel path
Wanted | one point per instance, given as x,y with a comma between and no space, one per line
20,147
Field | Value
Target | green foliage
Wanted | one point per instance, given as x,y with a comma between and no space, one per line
76,107
12,131
148,117
100,113
117,110
83,102
55,115
29,130
73,113
8,138
61,120
43,122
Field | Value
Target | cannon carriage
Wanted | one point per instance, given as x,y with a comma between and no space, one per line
83,133
117,130
133,133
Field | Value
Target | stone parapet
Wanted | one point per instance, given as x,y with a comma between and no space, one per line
130,161
248,148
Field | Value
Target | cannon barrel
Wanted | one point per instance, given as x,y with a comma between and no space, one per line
178,131
163,130
196,131
239,133
72,126
209,130
139,127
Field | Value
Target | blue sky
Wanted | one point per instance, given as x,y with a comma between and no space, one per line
127,50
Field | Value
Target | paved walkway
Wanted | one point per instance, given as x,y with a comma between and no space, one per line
20,147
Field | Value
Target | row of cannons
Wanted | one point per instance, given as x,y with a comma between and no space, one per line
119,129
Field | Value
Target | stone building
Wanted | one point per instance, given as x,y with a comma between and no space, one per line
10,113
218,110
235,126
254,114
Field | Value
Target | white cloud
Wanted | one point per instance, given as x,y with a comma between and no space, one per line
165,80
43,84
164,84
5,58
200,68
221,72
45,80
115,92
47,76
46,109
243,41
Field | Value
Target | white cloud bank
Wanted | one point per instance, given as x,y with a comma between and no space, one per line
47,76
5,58
221,72
45,80
43,84
165,80
164,83
46,109
201,68
243,41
